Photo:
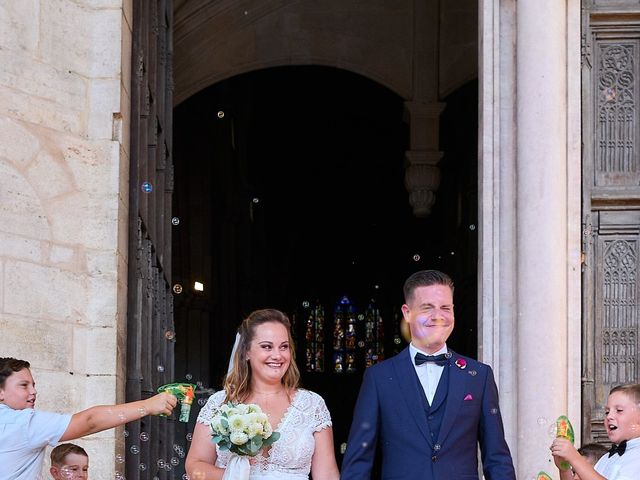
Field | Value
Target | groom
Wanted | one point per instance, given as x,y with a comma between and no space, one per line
428,407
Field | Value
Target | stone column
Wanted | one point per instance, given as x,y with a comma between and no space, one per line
543,215
529,218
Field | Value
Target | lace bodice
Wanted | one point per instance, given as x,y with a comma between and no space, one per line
290,456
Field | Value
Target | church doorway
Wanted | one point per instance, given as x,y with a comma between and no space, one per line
289,193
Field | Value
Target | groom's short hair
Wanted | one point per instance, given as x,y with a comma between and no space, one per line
425,278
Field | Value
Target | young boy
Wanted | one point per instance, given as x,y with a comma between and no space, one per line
26,432
622,422
69,462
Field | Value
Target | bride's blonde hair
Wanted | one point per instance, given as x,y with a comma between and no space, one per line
237,382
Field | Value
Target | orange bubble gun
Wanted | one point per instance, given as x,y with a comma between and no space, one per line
564,430
185,393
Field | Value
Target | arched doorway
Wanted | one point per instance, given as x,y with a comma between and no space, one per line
289,188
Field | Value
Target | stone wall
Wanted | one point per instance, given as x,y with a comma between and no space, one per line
64,81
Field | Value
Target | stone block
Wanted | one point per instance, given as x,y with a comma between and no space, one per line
40,111
86,219
19,25
94,350
18,247
101,451
18,144
59,391
127,50
124,172
61,87
37,341
99,389
102,263
64,257
95,165
102,302
123,228
21,211
104,100
49,176
81,39
62,295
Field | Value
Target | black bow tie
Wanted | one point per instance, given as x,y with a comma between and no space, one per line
619,449
441,359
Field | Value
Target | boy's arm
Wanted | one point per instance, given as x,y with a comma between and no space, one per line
563,449
103,417
586,471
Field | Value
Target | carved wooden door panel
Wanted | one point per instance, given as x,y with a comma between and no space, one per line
611,204
149,444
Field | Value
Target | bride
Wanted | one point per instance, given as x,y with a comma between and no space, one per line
263,371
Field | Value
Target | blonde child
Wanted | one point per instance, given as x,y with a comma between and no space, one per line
69,462
622,422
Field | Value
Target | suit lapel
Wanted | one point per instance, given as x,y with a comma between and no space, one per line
457,381
410,389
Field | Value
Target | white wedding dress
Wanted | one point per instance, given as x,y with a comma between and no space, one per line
290,456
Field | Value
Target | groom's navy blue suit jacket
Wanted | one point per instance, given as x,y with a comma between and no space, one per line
392,411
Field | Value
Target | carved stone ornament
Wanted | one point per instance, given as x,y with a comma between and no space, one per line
422,179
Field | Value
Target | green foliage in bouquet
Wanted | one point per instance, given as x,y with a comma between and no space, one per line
243,429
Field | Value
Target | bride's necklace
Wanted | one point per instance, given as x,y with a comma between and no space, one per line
269,393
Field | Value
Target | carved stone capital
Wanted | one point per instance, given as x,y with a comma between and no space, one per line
422,179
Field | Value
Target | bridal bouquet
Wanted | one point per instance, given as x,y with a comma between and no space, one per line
243,429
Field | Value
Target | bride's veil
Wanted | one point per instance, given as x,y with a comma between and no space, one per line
233,352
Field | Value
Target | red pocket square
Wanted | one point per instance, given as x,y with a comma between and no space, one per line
468,397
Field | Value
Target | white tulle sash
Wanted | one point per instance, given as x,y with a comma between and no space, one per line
238,468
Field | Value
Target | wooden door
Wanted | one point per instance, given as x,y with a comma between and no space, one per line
150,446
611,203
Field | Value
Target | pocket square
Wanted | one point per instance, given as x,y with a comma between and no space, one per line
468,397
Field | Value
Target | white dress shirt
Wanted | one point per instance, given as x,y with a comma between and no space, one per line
428,373
625,467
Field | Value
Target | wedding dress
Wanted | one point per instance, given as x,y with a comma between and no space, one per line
289,458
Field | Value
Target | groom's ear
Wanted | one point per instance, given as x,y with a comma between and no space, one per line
405,310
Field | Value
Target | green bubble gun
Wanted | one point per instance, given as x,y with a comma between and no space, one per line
543,476
564,430
185,393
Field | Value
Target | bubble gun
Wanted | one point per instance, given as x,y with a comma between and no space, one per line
564,430
184,392
543,476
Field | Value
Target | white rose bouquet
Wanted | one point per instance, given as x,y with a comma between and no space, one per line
243,429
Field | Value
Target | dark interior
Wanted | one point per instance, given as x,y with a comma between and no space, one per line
289,190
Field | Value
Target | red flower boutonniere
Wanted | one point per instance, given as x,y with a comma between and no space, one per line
461,363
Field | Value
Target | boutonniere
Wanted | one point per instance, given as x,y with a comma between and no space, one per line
461,363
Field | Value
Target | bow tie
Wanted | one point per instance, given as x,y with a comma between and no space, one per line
441,359
619,449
